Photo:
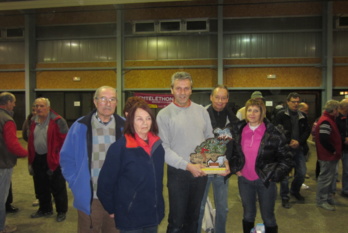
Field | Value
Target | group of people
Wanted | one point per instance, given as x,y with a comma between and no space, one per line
114,166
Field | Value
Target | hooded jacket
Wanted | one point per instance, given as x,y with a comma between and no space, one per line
274,159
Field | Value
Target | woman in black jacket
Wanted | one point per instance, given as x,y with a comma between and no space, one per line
260,157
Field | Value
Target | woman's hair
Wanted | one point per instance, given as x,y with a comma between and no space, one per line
130,102
129,126
259,103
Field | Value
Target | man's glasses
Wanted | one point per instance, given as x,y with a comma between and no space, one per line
105,100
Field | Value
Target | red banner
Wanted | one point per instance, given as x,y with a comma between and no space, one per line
156,100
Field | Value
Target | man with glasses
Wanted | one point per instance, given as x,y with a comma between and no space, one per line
83,155
296,130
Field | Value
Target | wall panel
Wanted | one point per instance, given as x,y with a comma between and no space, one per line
64,79
12,80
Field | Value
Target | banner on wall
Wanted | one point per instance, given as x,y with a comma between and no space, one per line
156,100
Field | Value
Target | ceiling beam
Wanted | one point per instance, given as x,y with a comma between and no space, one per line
38,4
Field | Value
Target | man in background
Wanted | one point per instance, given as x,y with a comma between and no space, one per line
221,115
10,149
241,112
296,130
47,133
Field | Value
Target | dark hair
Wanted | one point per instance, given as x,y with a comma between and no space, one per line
129,125
221,87
293,95
130,103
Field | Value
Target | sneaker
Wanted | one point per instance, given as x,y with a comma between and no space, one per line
298,196
331,201
39,214
304,186
61,217
9,229
326,206
286,204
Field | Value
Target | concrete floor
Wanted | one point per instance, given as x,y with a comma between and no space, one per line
305,217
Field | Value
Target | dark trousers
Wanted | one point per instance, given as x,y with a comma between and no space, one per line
185,197
48,183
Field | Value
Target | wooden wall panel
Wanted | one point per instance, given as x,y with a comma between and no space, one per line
286,77
202,78
12,19
340,76
76,65
172,10
64,79
340,7
12,80
248,8
76,15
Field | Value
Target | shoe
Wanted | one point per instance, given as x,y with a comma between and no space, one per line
304,186
326,206
298,196
9,229
286,204
61,217
11,209
39,214
307,176
331,202
35,203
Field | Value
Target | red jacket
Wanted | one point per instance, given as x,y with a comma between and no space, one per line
56,133
335,139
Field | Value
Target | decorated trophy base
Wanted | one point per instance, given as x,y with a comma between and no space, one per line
211,170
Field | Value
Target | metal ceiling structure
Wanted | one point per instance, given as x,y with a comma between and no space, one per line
38,4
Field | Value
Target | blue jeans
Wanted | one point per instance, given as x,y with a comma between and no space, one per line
299,176
325,180
185,197
5,181
267,197
220,189
345,172
143,230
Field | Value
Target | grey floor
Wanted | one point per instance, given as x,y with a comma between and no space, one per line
305,217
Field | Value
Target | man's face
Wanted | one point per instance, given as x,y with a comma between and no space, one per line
41,108
293,103
11,104
219,99
106,102
182,91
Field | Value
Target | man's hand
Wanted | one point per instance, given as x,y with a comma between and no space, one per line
195,169
227,170
111,215
294,144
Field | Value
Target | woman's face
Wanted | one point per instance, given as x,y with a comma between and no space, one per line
142,123
253,114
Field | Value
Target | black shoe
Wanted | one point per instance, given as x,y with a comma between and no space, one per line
344,194
39,214
298,196
61,217
286,204
11,209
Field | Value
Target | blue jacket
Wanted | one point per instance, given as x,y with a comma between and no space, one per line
75,160
130,184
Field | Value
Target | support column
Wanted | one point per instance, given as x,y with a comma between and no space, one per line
120,60
220,44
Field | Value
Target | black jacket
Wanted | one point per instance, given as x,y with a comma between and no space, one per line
283,118
274,160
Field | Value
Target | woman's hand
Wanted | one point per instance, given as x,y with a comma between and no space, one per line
112,215
238,173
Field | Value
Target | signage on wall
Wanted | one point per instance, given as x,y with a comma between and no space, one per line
156,100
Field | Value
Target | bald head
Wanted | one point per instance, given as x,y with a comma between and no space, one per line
343,108
303,107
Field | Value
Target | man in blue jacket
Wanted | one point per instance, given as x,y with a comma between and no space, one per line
83,155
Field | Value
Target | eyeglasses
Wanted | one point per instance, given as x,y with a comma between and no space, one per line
295,102
105,100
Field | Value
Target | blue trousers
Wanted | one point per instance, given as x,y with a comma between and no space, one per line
345,172
267,197
143,230
220,189
299,176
